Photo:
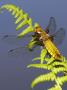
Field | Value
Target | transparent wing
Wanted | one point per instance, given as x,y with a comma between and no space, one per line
18,51
59,36
20,43
13,39
51,28
22,51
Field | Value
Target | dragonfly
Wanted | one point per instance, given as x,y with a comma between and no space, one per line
48,38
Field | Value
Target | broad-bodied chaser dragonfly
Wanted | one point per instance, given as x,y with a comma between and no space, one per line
47,38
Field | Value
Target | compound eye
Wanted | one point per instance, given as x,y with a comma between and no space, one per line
38,30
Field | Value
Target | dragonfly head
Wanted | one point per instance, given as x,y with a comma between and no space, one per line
37,35
38,30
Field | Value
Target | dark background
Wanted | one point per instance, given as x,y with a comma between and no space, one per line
14,74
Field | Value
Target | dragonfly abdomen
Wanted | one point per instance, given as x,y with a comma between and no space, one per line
52,49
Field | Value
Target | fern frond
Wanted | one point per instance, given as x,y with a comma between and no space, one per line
64,64
42,78
41,66
59,69
62,79
20,15
42,55
31,43
35,59
56,87
11,8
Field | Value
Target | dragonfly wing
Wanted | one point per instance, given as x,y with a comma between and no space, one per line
21,43
13,39
58,37
22,51
17,51
51,28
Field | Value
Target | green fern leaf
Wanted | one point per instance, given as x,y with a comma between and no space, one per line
41,66
20,15
42,78
62,79
43,54
56,87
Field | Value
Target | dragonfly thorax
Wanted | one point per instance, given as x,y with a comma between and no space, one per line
41,34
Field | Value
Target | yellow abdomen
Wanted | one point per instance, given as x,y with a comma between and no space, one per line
52,49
